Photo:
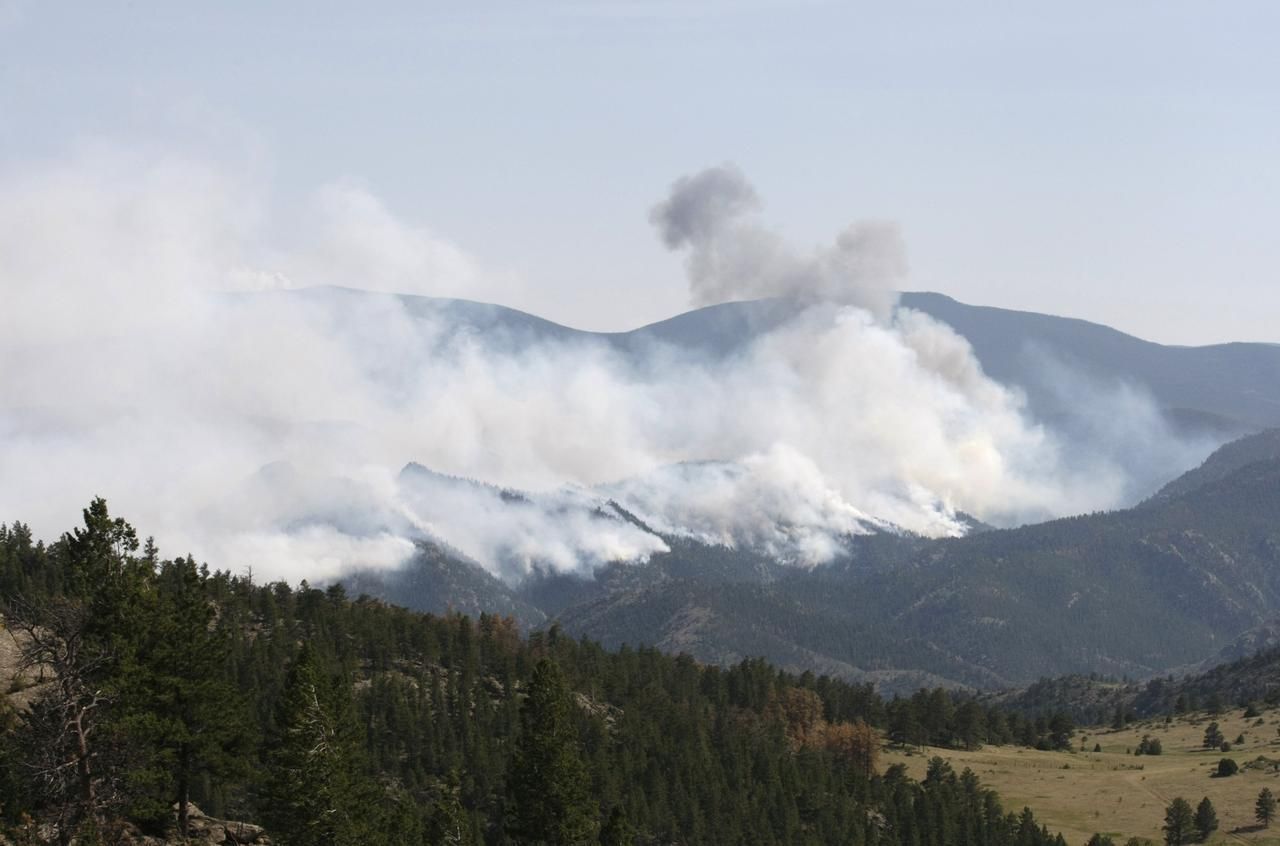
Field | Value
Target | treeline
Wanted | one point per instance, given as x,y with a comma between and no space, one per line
146,683
936,718
1092,700
1251,679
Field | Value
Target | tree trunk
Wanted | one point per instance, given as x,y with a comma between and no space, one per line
82,765
184,790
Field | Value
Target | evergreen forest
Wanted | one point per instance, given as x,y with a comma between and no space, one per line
143,688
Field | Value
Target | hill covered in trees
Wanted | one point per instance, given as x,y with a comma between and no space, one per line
1260,446
1098,700
998,609
141,684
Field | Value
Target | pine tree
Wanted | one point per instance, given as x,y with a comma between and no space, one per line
1206,820
970,725
548,783
447,824
1061,728
1213,737
179,709
1264,810
83,638
617,831
316,794
1179,822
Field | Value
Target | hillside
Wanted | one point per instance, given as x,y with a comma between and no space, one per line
427,715
440,581
1234,387
1261,446
1096,700
1089,594
1000,608
336,721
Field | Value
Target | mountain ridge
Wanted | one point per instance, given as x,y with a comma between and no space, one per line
1084,594
1228,389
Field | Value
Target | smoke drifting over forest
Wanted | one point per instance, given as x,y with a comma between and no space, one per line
268,430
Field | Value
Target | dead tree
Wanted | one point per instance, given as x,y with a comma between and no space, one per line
62,753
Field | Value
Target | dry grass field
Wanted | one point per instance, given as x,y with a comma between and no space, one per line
1113,792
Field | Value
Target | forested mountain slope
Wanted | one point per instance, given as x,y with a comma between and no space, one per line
1090,594
153,682
1096,700
1134,592
1261,446
1087,594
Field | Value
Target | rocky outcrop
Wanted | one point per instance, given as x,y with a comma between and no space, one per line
205,831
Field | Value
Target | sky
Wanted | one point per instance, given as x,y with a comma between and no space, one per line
1113,161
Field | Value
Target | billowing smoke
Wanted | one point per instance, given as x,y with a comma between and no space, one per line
732,258
267,430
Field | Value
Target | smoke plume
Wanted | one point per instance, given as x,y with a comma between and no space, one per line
732,258
266,429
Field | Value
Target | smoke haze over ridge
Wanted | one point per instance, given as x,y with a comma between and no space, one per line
730,258
267,431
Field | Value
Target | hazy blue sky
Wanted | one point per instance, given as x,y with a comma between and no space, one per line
1118,161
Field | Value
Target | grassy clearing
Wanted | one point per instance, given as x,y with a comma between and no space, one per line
1082,792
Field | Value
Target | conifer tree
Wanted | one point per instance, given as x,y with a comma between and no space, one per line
316,794
447,824
1179,822
1206,818
617,831
548,783
82,637
177,703
1264,810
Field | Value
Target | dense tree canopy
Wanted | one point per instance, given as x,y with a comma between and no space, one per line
339,720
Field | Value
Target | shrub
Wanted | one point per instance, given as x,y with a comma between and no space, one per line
1149,746
1227,767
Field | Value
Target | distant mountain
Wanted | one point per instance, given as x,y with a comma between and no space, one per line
439,580
1229,387
1262,446
1226,389
1251,677
1135,593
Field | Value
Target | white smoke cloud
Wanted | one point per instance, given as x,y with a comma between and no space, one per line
266,430
352,239
565,530
735,259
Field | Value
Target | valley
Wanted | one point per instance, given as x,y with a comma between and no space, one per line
1114,792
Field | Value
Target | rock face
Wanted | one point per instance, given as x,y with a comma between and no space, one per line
206,831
